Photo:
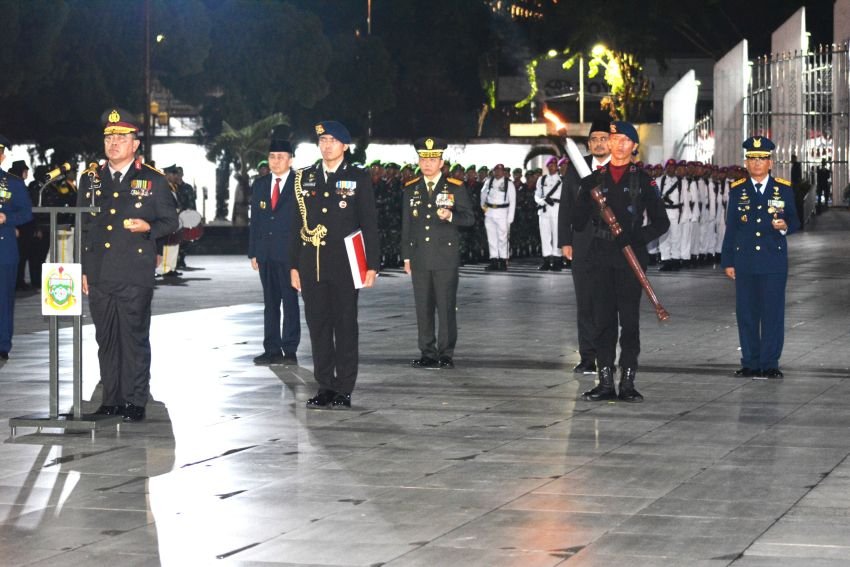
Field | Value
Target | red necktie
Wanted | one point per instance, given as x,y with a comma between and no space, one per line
598,167
275,192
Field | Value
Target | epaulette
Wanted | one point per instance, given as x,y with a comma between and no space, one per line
737,182
412,181
159,171
783,181
454,181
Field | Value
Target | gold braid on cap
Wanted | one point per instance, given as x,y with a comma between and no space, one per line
312,236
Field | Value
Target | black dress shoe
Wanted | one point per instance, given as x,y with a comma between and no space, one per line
746,372
109,410
545,266
133,413
4,355
321,400
585,367
341,402
447,362
774,374
627,387
557,264
269,358
425,362
604,390
289,359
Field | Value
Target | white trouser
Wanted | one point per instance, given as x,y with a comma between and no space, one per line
497,226
695,237
685,240
706,236
669,244
549,230
169,259
719,233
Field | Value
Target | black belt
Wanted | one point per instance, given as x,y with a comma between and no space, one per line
504,206
679,206
603,233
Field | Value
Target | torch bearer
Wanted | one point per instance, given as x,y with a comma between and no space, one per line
608,216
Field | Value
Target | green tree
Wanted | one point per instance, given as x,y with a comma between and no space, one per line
243,149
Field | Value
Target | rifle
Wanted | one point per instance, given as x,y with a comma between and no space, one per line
611,220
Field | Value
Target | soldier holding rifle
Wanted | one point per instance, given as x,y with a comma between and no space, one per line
631,195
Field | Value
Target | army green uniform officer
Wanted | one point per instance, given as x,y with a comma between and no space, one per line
433,208
119,259
333,200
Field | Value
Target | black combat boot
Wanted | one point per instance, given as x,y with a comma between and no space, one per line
557,264
492,266
627,386
545,265
666,266
604,390
503,265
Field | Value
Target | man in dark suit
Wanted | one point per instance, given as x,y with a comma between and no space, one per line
272,211
575,245
334,200
119,258
15,210
760,214
615,291
433,208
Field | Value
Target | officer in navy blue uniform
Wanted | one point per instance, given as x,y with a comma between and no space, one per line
272,213
760,214
334,199
15,210
615,291
119,259
433,207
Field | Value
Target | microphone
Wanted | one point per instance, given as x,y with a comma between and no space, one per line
54,173
91,168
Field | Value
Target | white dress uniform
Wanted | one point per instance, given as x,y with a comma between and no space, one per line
708,217
548,187
671,189
690,220
498,199
720,219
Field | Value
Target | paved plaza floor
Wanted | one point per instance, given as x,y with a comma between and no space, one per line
496,463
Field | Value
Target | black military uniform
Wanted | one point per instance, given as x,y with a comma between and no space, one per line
328,210
615,291
580,240
119,267
432,246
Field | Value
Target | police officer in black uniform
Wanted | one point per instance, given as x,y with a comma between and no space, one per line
615,291
119,258
334,200
433,208
272,211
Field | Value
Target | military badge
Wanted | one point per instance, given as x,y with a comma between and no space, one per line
139,205
263,203
60,291
743,218
5,195
779,204
343,204
445,200
96,193
140,188
771,210
346,188
415,213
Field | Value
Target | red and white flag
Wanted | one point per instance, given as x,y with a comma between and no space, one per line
356,249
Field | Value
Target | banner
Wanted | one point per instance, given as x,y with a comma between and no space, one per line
62,289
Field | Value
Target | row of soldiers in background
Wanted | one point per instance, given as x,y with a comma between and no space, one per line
695,196
524,236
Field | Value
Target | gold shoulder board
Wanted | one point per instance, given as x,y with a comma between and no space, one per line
412,181
783,181
454,181
737,182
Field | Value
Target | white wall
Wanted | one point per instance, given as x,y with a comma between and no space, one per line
680,106
731,77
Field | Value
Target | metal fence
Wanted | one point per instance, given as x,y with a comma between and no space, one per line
700,139
801,101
